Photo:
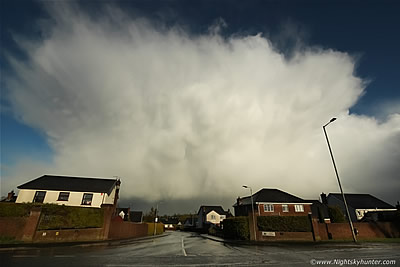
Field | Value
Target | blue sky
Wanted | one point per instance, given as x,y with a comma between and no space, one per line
367,31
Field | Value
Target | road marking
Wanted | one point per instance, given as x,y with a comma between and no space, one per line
24,256
183,248
64,256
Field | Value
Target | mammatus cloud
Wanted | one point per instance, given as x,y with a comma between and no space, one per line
178,115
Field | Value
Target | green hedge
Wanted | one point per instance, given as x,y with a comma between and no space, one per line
284,223
236,228
67,217
14,210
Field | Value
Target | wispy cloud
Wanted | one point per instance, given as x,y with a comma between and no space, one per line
180,115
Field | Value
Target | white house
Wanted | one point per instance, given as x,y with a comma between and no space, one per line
211,215
70,191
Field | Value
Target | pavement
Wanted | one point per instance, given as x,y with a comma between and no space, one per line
191,249
286,243
25,246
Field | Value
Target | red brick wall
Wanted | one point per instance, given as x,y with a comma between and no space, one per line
120,229
322,230
70,235
108,213
280,236
365,230
283,236
28,232
278,210
12,226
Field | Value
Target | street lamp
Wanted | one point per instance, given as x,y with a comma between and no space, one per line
252,210
156,219
340,185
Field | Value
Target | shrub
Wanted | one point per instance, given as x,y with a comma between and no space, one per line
284,223
14,209
236,228
66,217
336,214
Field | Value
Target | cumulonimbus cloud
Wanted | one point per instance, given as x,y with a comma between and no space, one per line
179,115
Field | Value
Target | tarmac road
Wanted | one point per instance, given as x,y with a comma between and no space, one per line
189,249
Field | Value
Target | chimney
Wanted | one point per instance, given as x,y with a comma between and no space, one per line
324,199
238,201
10,195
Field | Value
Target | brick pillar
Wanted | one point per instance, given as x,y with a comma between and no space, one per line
108,211
315,229
31,225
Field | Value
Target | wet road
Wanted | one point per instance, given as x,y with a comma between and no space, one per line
188,249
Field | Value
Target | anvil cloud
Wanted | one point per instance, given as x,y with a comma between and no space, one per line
180,115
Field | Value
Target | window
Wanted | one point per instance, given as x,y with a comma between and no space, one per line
39,196
87,199
299,208
63,196
213,217
285,208
268,207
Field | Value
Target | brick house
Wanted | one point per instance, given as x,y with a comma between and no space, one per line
272,202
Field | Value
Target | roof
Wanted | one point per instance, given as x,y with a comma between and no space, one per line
319,209
67,183
217,209
271,195
362,201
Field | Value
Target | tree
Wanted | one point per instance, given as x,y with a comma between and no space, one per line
336,214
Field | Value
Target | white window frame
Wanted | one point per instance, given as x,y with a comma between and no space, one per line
299,208
285,207
268,207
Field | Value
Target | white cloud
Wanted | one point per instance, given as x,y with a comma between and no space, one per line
180,115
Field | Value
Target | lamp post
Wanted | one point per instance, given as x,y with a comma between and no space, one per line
156,220
340,185
252,210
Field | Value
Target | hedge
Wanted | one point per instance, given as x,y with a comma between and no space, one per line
14,209
67,217
236,228
284,223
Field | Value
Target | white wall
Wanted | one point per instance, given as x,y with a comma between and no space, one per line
109,199
75,198
361,212
217,218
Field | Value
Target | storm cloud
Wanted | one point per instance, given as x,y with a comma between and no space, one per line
180,115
